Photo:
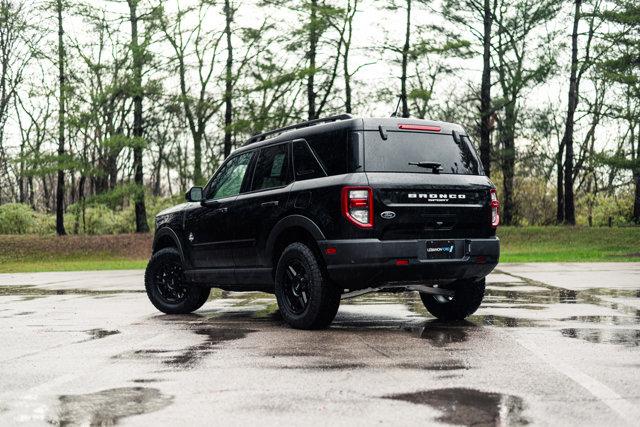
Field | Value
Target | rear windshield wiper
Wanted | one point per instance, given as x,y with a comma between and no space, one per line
434,166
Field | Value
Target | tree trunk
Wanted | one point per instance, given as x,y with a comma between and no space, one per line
228,82
567,138
405,60
508,161
61,123
559,187
45,192
636,180
313,45
636,201
32,199
485,92
345,58
141,213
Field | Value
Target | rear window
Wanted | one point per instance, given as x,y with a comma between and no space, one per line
402,148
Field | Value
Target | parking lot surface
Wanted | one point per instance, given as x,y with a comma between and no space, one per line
553,344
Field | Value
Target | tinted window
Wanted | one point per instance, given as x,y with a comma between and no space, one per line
331,149
401,148
305,164
272,169
229,180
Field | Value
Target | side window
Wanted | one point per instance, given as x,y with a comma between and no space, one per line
229,181
331,148
305,164
272,168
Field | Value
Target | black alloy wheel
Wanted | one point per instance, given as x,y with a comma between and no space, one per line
169,279
295,286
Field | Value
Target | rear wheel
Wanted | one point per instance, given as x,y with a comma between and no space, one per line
307,300
166,287
466,300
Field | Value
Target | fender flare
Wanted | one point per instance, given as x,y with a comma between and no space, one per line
288,222
168,232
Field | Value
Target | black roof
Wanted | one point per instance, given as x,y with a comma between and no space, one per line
339,122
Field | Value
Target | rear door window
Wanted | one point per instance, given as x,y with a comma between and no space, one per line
305,164
272,168
331,148
402,148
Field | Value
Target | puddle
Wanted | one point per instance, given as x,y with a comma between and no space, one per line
464,406
324,366
445,366
96,334
144,354
213,336
605,320
505,321
626,337
107,407
34,292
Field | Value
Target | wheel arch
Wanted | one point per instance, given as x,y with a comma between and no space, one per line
293,228
167,238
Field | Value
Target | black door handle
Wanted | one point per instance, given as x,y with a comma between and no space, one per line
220,210
271,203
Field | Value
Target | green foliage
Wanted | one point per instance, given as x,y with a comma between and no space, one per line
18,218
99,219
601,207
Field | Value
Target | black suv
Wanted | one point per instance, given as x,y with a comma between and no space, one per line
333,208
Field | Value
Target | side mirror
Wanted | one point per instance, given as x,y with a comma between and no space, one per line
194,194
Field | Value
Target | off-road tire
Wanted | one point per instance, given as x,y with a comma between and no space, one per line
468,297
322,296
190,298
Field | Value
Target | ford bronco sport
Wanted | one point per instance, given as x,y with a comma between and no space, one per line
333,208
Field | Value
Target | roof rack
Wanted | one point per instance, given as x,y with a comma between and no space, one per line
262,136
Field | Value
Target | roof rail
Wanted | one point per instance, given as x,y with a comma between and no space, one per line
262,136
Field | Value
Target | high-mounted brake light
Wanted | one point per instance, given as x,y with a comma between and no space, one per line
495,204
357,206
420,127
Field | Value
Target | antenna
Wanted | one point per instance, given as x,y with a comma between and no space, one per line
395,113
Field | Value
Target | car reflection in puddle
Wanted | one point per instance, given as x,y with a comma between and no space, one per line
464,406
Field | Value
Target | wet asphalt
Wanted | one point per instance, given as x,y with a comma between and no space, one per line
553,344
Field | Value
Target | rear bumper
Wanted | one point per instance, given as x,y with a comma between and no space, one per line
361,263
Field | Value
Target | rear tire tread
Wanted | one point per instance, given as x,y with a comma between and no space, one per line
325,299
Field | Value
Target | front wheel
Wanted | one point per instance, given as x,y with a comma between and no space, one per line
307,300
465,301
165,284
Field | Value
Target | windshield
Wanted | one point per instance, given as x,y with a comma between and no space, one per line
418,152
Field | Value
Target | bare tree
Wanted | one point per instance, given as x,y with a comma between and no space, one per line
137,54
61,123
518,70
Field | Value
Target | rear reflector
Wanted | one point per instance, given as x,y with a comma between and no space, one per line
402,262
330,251
420,127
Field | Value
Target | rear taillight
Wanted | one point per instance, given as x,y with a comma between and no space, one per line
357,206
495,204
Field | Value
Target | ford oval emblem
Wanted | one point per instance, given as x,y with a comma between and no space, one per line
388,215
